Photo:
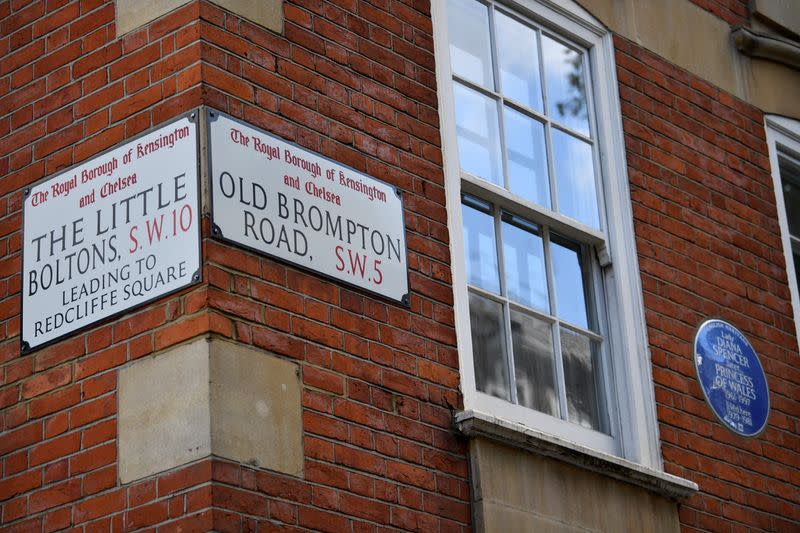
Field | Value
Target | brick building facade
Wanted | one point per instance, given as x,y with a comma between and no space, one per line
267,397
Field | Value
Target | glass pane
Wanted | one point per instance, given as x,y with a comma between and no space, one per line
571,304
523,257
478,134
582,377
534,366
518,56
566,89
468,26
489,346
527,157
480,249
577,194
796,257
790,176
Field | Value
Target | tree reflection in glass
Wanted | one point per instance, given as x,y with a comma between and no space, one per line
566,85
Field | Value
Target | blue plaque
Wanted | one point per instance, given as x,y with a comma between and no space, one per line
731,377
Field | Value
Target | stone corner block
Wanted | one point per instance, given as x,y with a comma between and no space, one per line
133,14
164,412
266,13
209,397
256,411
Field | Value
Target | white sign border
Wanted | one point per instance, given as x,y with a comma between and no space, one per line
216,232
197,277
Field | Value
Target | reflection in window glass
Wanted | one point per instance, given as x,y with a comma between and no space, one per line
480,249
796,258
534,365
525,280
522,123
527,159
468,23
566,92
582,379
518,57
569,283
790,177
478,134
523,256
577,193
790,183
488,346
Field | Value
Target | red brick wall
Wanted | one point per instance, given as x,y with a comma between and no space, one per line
346,79
709,245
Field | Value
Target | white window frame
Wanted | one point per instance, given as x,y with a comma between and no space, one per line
783,136
634,425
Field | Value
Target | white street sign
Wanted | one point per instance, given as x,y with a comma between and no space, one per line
290,203
110,234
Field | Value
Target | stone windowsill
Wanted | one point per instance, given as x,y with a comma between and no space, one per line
478,424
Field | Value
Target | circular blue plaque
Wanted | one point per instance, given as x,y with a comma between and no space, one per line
731,377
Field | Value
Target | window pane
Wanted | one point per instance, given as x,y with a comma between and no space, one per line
582,379
488,346
480,249
577,194
796,257
790,176
523,257
534,366
566,93
518,56
478,134
569,283
527,159
468,26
